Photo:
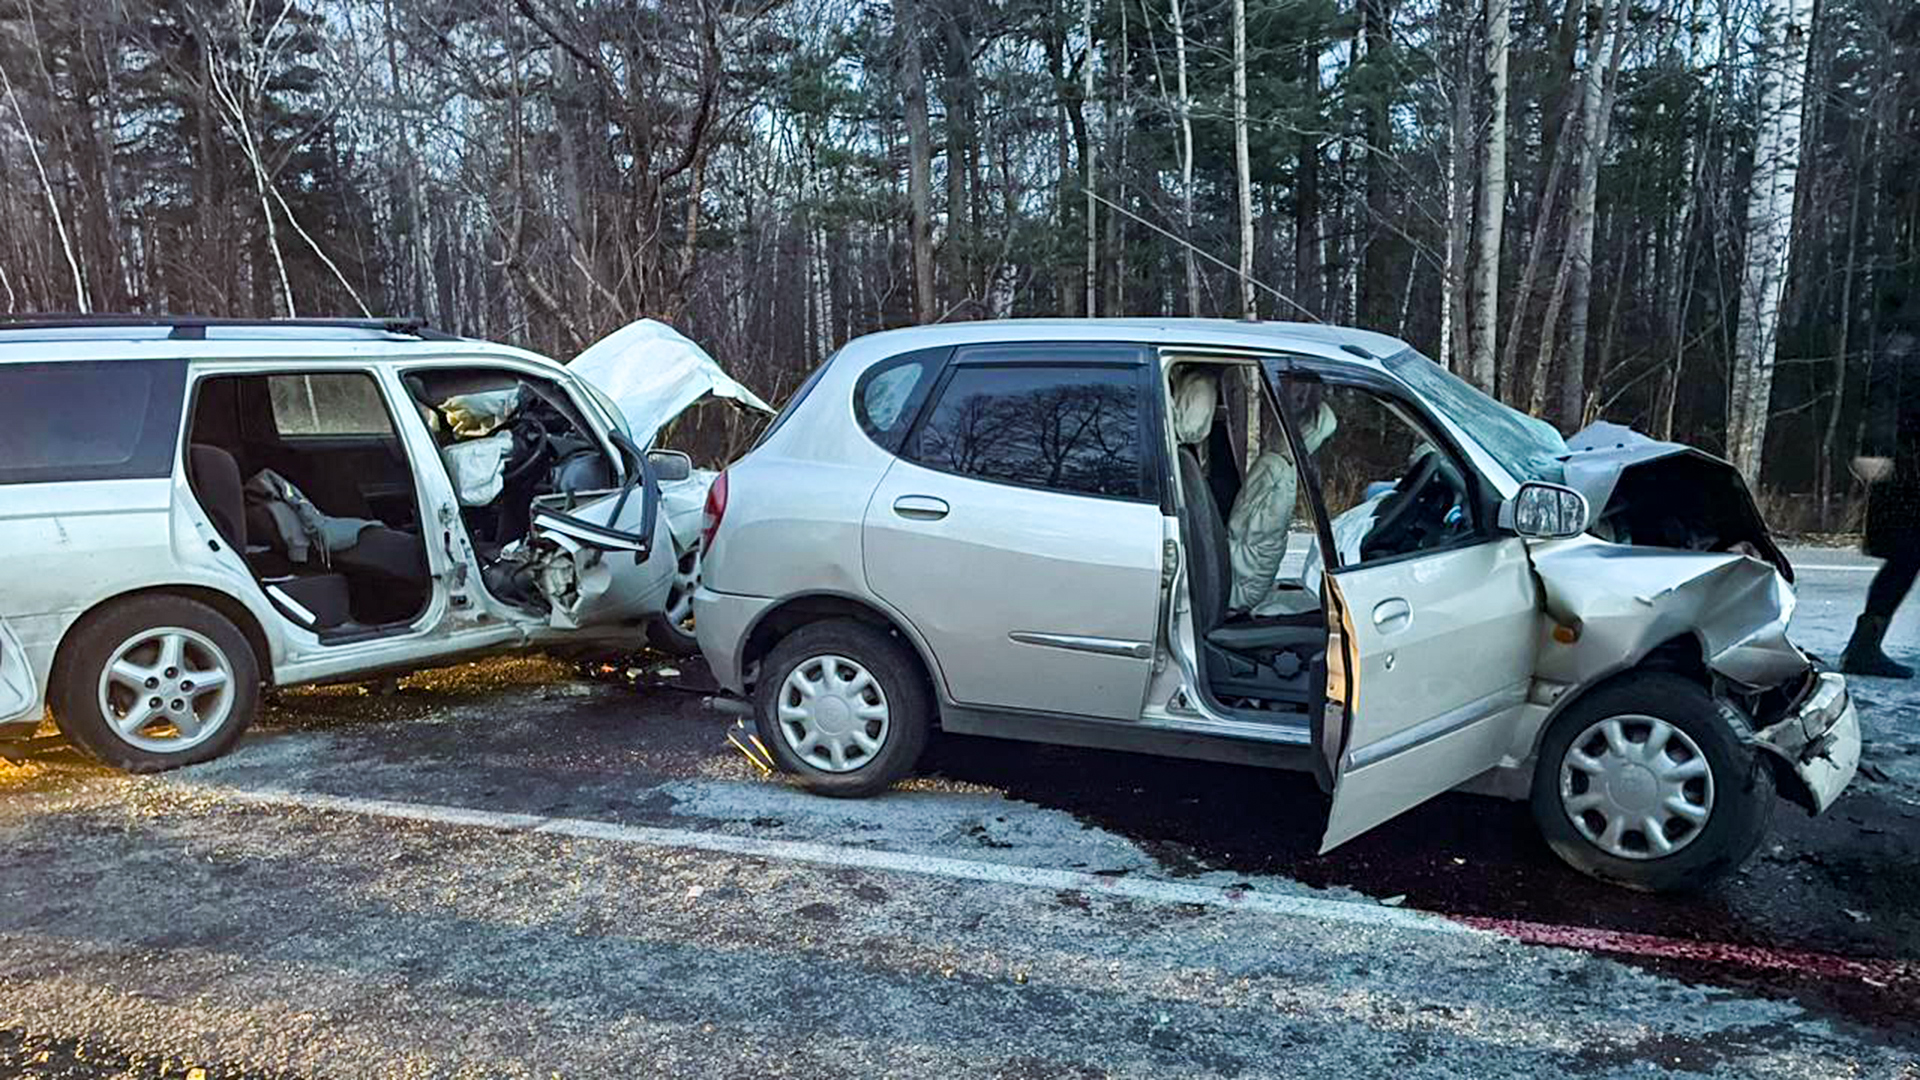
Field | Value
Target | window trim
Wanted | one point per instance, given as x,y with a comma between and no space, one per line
1132,358
1332,373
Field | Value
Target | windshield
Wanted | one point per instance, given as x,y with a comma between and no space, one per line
1528,448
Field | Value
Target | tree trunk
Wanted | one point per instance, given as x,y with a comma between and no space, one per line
1242,162
1089,166
1769,232
1573,380
1185,104
1591,87
1481,352
919,159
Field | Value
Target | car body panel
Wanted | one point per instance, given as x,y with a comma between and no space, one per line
652,373
1040,600
1622,602
1439,658
19,690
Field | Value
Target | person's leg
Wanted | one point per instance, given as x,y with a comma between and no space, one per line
1893,582
1890,586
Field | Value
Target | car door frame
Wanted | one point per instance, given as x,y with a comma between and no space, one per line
574,531
1331,719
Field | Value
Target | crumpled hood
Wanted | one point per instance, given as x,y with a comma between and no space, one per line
653,373
1666,494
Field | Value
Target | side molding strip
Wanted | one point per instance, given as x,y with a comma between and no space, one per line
1132,650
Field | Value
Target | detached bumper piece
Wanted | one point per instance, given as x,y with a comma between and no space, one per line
1819,742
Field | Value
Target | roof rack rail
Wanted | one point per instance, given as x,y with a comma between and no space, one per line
194,327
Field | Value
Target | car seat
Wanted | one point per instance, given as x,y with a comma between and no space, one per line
1274,659
214,476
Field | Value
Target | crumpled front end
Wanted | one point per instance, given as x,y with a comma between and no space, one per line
1616,607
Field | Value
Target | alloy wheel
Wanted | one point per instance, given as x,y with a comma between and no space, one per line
167,689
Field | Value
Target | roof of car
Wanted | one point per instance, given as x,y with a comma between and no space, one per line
127,337
1318,339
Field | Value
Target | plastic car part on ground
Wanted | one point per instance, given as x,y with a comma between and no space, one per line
653,372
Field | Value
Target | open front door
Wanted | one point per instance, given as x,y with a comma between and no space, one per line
1429,668
1432,614
604,558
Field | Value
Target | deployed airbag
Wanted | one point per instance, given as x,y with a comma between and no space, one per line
478,467
1262,517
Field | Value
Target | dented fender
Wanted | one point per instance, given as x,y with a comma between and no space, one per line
1622,602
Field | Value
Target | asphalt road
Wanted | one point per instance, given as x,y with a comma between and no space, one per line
507,870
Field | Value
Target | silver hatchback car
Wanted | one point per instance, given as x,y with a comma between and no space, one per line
1299,546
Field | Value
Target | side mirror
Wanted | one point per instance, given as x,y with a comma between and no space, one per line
670,465
1543,511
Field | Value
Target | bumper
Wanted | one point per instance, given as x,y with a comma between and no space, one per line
1819,742
721,622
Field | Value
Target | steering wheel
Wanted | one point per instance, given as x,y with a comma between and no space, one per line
1420,502
539,448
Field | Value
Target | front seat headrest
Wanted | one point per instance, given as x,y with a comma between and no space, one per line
1195,392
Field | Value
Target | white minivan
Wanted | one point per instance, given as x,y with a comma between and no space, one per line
192,509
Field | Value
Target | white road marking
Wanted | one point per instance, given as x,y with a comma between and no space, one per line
1345,912
1834,568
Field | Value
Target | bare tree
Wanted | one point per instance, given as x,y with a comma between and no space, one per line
1481,352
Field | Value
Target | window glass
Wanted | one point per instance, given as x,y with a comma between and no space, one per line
331,403
1528,448
1390,489
1074,429
89,420
889,395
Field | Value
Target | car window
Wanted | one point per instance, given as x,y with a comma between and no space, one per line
1527,447
1390,487
889,395
328,404
89,420
1066,428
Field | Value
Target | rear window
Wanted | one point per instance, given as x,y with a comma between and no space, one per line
342,403
890,394
89,420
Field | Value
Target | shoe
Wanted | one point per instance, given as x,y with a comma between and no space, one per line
1863,655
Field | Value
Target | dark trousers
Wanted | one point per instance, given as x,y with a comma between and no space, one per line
1891,584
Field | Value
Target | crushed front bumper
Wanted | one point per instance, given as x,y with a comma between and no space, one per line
1818,741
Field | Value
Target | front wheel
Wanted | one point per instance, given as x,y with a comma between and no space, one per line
671,631
844,707
1646,784
154,683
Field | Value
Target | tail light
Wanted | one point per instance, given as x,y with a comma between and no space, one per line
715,510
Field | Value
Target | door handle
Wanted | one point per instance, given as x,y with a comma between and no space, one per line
1392,616
920,507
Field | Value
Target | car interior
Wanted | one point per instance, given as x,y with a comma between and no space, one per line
1388,489
1273,662
509,443
306,477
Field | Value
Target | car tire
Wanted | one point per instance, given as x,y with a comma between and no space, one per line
869,681
671,631
98,699
1711,822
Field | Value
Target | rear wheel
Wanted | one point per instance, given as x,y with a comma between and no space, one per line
1645,784
844,707
154,683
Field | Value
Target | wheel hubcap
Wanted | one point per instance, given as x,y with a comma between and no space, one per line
1636,787
833,713
167,690
686,578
